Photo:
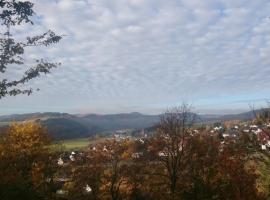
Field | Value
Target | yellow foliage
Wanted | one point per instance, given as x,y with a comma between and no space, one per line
26,138
23,153
125,155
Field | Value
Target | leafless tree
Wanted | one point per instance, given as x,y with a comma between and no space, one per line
173,133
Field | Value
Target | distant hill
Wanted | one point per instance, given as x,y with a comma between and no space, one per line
67,126
33,116
241,116
62,128
119,121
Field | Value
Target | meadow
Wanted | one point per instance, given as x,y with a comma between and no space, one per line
78,144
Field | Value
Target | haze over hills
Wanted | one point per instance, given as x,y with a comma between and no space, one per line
69,126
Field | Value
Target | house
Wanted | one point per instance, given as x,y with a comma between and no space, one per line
105,149
161,154
87,188
218,128
263,147
72,158
60,162
137,155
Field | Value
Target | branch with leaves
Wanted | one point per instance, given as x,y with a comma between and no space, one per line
14,13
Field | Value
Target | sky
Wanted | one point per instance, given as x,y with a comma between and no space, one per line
148,55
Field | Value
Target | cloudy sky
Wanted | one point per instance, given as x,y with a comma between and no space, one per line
147,55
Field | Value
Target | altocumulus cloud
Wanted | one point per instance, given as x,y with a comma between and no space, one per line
145,55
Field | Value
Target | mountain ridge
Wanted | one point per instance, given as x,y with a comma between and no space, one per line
69,126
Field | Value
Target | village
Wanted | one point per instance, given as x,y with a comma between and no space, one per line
228,131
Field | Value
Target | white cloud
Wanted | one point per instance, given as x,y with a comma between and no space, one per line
143,52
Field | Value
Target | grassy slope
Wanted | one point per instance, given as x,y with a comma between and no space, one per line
76,144
4,123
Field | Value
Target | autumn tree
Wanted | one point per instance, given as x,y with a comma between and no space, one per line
219,170
24,162
138,178
117,155
238,181
170,143
101,172
12,52
87,175
201,169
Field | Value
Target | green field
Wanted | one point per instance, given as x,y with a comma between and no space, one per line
76,144
4,123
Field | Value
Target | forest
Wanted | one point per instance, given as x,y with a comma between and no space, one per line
180,161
